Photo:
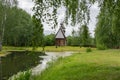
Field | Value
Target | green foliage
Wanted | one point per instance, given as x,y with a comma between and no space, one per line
18,28
69,40
85,35
107,31
81,38
21,76
88,49
101,47
15,24
73,40
49,40
38,36
78,10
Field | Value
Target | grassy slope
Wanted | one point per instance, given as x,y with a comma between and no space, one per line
97,65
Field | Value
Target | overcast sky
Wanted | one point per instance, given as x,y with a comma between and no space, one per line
28,4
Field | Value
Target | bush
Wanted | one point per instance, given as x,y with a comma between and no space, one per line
101,47
89,50
21,76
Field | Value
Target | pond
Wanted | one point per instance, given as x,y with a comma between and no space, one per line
18,61
22,61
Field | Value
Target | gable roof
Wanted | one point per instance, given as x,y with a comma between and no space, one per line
60,34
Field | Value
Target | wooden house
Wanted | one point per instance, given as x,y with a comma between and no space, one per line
60,39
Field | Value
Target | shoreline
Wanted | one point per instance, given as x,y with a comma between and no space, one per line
4,53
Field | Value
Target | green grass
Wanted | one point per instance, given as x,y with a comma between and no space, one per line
47,49
3,53
6,49
62,48
21,76
95,65
11,48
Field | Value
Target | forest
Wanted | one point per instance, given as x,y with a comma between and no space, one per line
17,28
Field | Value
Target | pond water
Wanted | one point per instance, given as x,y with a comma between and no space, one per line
16,62
22,61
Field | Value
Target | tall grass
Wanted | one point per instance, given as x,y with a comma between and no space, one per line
21,76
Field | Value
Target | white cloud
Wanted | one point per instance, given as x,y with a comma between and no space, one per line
26,5
94,11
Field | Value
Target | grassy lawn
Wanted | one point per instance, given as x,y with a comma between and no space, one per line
63,48
96,65
47,48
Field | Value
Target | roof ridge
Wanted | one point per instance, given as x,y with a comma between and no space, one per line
61,31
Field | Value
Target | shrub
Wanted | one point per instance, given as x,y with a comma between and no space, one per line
88,49
101,47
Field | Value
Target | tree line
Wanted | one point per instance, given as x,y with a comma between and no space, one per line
81,38
17,28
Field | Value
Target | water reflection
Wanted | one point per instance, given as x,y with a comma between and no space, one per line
18,61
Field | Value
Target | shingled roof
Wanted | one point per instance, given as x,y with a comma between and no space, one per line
60,34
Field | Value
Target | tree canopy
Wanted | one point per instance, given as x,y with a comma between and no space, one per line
108,26
16,26
78,10
5,5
